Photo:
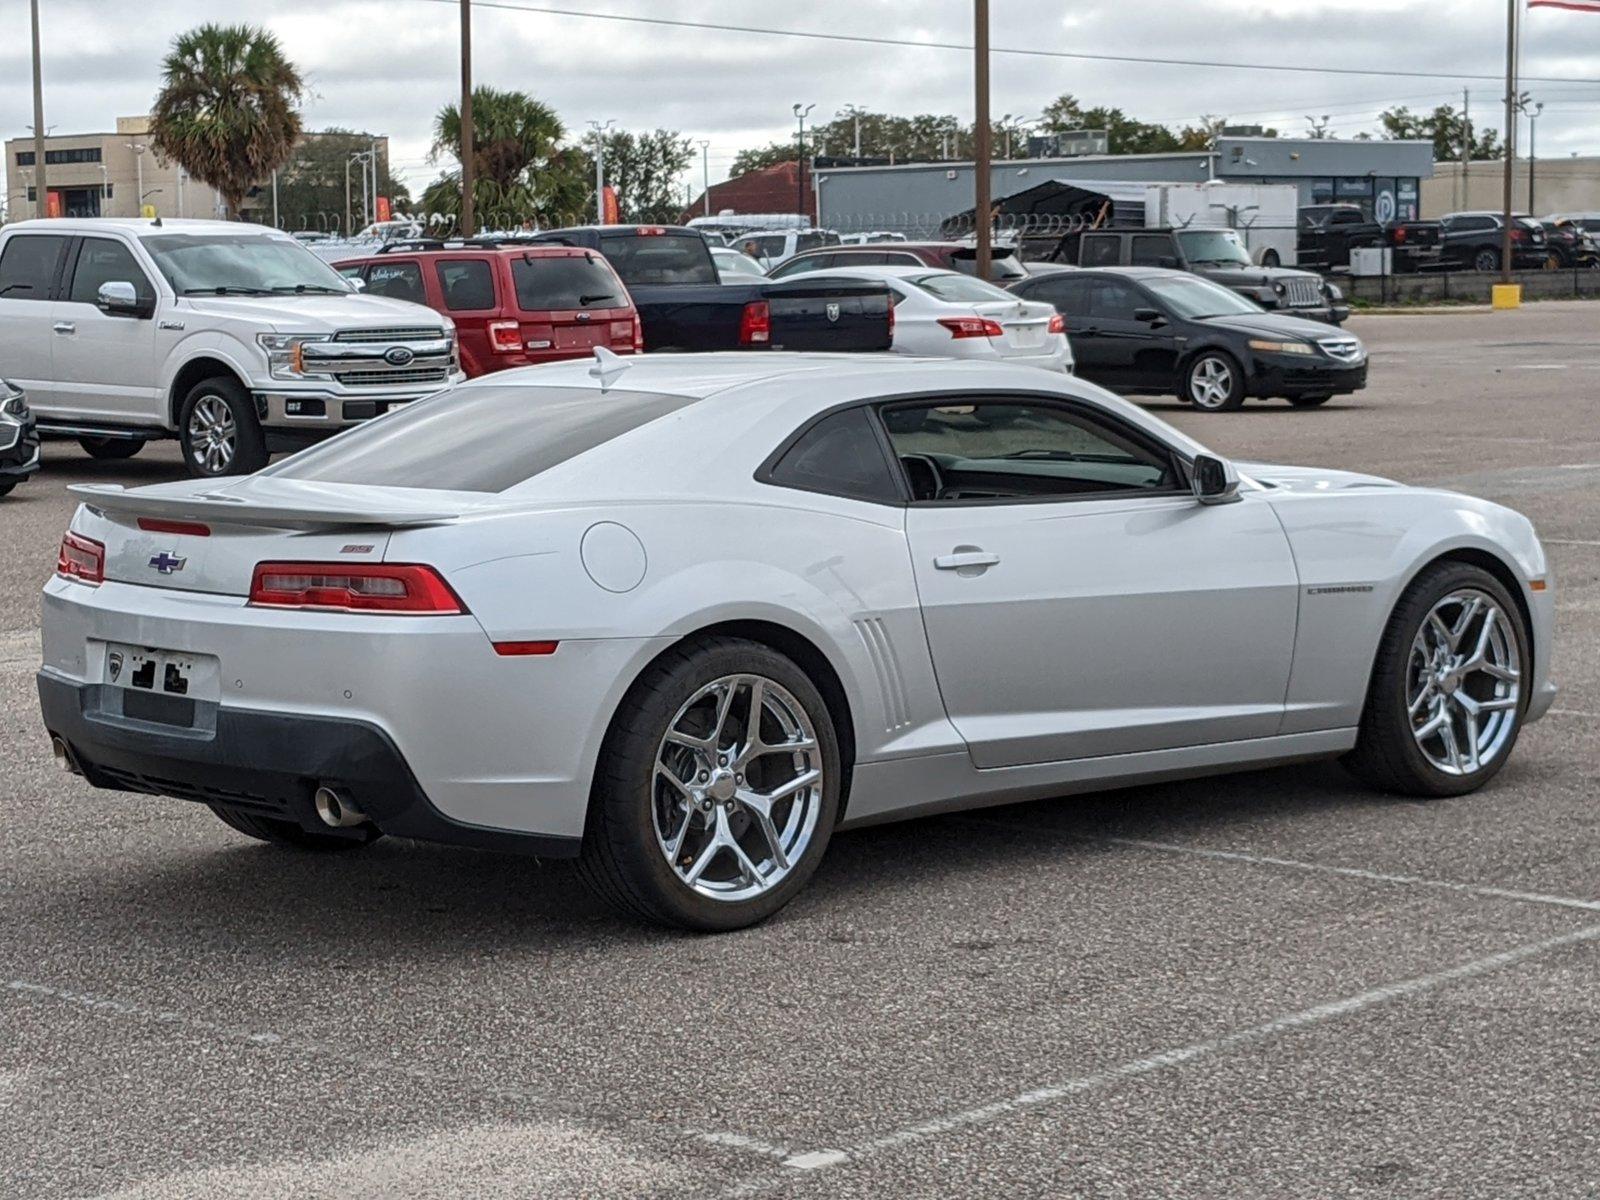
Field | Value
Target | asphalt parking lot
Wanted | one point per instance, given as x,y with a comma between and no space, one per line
1267,984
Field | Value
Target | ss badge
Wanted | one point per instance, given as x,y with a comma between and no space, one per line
833,313
114,664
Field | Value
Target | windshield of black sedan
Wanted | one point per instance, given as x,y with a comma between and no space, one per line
1202,246
1192,297
241,264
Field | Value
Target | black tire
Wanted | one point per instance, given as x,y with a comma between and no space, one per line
621,858
1487,259
1271,259
287,833
109,448
7,486
1386,754
1190,390
1311,401
249,444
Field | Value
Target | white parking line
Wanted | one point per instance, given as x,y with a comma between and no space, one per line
1294,864
1573,712
986,1114
1568,542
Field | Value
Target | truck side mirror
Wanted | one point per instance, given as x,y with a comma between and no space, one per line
119,299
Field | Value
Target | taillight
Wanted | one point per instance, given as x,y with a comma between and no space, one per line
81,558
1400,235
1519,235
1058,324
379,587
505,337
638,334
755,325
181,528
972,327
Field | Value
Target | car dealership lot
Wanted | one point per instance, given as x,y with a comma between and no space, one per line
1262,984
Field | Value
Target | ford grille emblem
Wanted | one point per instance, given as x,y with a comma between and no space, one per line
398,356
167,563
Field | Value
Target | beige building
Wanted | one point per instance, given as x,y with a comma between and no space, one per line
118,174
1560,185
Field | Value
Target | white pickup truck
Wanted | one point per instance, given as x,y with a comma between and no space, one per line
233,338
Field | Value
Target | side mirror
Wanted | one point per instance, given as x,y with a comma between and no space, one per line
1150,316
357,283
1213,480
1170,262
118,299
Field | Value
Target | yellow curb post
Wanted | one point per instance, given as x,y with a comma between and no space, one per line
1506,295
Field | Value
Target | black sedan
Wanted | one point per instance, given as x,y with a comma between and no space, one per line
19,440
1145,329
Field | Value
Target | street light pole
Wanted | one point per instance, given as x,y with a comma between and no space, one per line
800,112
981,154
705,174
468,223
1512,9
40,198
854,111
1533,153
138,167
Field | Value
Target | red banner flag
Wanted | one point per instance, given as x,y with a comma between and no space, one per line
609,207
1575,5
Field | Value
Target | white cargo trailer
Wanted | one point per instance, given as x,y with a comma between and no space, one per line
1265,214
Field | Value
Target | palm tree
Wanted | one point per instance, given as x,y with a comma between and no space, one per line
227,111
511,133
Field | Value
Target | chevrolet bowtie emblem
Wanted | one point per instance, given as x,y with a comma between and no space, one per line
167,563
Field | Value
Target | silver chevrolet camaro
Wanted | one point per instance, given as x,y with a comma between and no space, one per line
682,617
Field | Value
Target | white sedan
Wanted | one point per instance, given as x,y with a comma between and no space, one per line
950,315
683,616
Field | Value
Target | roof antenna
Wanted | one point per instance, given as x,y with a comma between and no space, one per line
156,221
607,366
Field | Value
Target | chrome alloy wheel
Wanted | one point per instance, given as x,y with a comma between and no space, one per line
1210,382
737,787
213,435
1463,683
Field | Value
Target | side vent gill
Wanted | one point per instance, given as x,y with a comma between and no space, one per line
896,712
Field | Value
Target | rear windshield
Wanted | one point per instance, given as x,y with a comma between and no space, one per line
660,257
947,285
478,439
559,283
1003,263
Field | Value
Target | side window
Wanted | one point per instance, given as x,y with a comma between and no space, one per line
770,245
28,265
1345,217
801,266
1100,251
839,455
101,260
397,280
1018,449
900,258
467,285
1070,296
1150,249
1112,300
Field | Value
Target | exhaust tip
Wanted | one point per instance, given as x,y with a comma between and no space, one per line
60,751
334,808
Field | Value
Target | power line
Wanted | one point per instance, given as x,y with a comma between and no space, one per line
864,39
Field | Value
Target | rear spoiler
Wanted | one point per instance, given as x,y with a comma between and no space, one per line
218,508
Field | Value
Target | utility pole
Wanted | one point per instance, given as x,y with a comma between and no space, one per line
274,197
980,150
41,202
1512,9
705,173
468,224
800,112
1533,153
1466,149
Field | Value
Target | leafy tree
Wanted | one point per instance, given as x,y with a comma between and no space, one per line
1443,127
311,185
759,158
644,169
522,172
227,110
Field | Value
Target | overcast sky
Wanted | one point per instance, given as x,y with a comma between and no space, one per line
388,65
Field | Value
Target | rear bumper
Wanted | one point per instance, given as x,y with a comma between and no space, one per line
266,764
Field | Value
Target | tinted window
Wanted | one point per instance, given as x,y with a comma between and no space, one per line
1003,263
466,284
478,439
810,241
858,258
1112,299
562,283
1017,450
769,245
397,280
1192,296
1070,296
839,455
1100,251
1149,251
101,260
28,264
660,258
813,262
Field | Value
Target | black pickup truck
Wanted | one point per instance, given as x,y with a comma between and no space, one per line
1215,254
683,306
1328,232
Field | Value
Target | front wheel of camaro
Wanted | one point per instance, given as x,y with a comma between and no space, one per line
1449,687
716,791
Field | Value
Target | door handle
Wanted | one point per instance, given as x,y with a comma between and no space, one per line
969,557
64,327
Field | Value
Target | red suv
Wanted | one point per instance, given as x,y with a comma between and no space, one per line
513,305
